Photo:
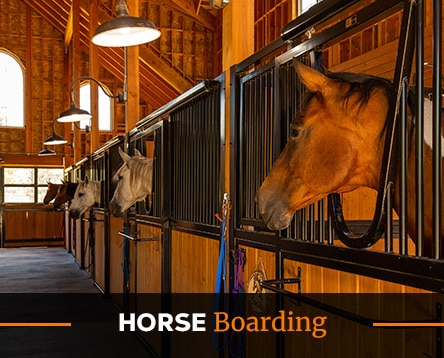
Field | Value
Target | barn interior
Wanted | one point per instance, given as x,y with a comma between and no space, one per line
207,102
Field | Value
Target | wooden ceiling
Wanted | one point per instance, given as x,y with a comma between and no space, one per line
159,82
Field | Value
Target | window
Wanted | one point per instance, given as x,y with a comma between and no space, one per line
28,185
105,104
304,5
11,91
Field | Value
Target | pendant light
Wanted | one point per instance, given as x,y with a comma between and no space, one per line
125,30
54,138
74,114
46,152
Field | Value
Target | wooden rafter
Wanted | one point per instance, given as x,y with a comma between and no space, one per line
159,83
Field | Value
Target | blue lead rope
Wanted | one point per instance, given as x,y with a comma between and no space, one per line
220,299
221,265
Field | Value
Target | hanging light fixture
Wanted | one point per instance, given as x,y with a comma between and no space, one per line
46,152
54,138
125,30
74,114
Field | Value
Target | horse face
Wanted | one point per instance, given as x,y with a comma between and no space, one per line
131,190
51,192
61,197
84,198
123,195
329,150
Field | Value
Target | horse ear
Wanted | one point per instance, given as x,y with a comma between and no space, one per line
314,80
86,179
124,156
137,153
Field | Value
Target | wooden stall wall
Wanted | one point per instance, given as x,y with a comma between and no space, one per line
31,225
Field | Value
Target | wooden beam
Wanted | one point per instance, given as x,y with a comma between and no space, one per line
69,28
132,109
150,59
76,47
94,73
51,11
189,8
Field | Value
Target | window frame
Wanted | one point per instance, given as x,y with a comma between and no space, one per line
23,88
35,185
103,93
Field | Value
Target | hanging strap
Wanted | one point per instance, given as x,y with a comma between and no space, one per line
220,301
239,263
222,262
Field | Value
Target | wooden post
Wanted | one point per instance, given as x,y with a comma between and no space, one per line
76,50
94,72
132,114
237,44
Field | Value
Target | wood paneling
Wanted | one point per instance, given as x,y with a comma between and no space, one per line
32,226
194,263
147,265
116,256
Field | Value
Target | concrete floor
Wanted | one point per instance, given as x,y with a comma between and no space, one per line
42,270
41,285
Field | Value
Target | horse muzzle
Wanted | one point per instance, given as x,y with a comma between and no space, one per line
115,209
272,211
74,214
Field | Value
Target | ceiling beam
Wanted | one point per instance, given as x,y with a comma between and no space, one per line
53,13
190,8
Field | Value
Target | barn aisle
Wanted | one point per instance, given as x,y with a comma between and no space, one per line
42,270
41,285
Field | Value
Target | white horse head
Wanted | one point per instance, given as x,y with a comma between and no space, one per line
134,182
87,193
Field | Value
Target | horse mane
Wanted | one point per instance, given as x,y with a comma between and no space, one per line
71,188
361,84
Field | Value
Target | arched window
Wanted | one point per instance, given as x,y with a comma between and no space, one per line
11,90
104,107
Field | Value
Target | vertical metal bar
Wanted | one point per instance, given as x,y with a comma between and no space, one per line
389,219
321,222
419,130
304,223
311,218
437,159
403,170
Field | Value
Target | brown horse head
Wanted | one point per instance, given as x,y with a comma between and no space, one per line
51,192
65,194
335,146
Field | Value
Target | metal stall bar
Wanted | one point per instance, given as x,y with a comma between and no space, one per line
437,110
419,127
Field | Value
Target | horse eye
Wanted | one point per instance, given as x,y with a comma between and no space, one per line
81,194
294,132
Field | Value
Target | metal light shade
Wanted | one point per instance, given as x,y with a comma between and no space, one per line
125,30
73,114
45,152
55,139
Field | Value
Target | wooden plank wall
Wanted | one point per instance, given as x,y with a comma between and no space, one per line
37,227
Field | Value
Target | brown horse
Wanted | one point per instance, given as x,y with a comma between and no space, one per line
65,193
336,145
51,193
